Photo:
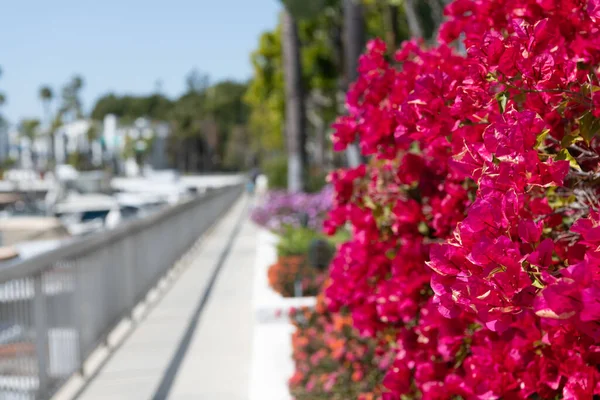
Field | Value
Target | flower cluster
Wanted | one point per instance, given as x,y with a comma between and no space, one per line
280,209
287,270
476,223
332,360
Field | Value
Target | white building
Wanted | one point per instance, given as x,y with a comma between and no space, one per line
109,146
22,151
72,138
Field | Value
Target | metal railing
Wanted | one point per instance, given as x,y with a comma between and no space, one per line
57,308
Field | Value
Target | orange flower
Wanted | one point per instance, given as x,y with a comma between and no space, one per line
357,376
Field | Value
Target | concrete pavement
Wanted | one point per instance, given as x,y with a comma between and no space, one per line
196,342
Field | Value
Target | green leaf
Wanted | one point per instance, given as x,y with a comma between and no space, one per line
415,148
589,126
496,270
565,155
568,140
541,137
537,283
587,89
369,203
502,99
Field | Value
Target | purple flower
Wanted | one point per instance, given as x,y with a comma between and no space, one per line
280,209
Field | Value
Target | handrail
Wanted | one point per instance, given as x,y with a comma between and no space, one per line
62,304
24,268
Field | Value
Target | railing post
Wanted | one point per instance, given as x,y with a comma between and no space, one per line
41,333
129,263
81,310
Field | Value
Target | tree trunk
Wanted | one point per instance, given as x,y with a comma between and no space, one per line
414,24
295,122
392,31
52,152
319,125
66,148
340,96
354,41
52,149
437,12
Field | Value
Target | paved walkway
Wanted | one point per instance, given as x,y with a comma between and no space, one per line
196,342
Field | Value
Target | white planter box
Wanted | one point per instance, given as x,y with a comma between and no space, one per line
272,363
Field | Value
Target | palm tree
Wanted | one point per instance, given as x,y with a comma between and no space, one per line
71,101
46,96
29,129
77,86
295,113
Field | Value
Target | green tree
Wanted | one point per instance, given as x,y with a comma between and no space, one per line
265,95
72,106
225,106
155,107
193,132
28,127
202,120
196,81
330,37
46,96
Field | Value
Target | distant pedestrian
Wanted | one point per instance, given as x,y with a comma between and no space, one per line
250,186
254,174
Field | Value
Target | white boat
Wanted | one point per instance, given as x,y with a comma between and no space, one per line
87,213
139,205
171,192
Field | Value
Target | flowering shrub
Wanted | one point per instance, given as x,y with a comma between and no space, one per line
300,252
280,209
475,223
333,362
283,274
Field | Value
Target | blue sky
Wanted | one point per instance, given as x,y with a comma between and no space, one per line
123,46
